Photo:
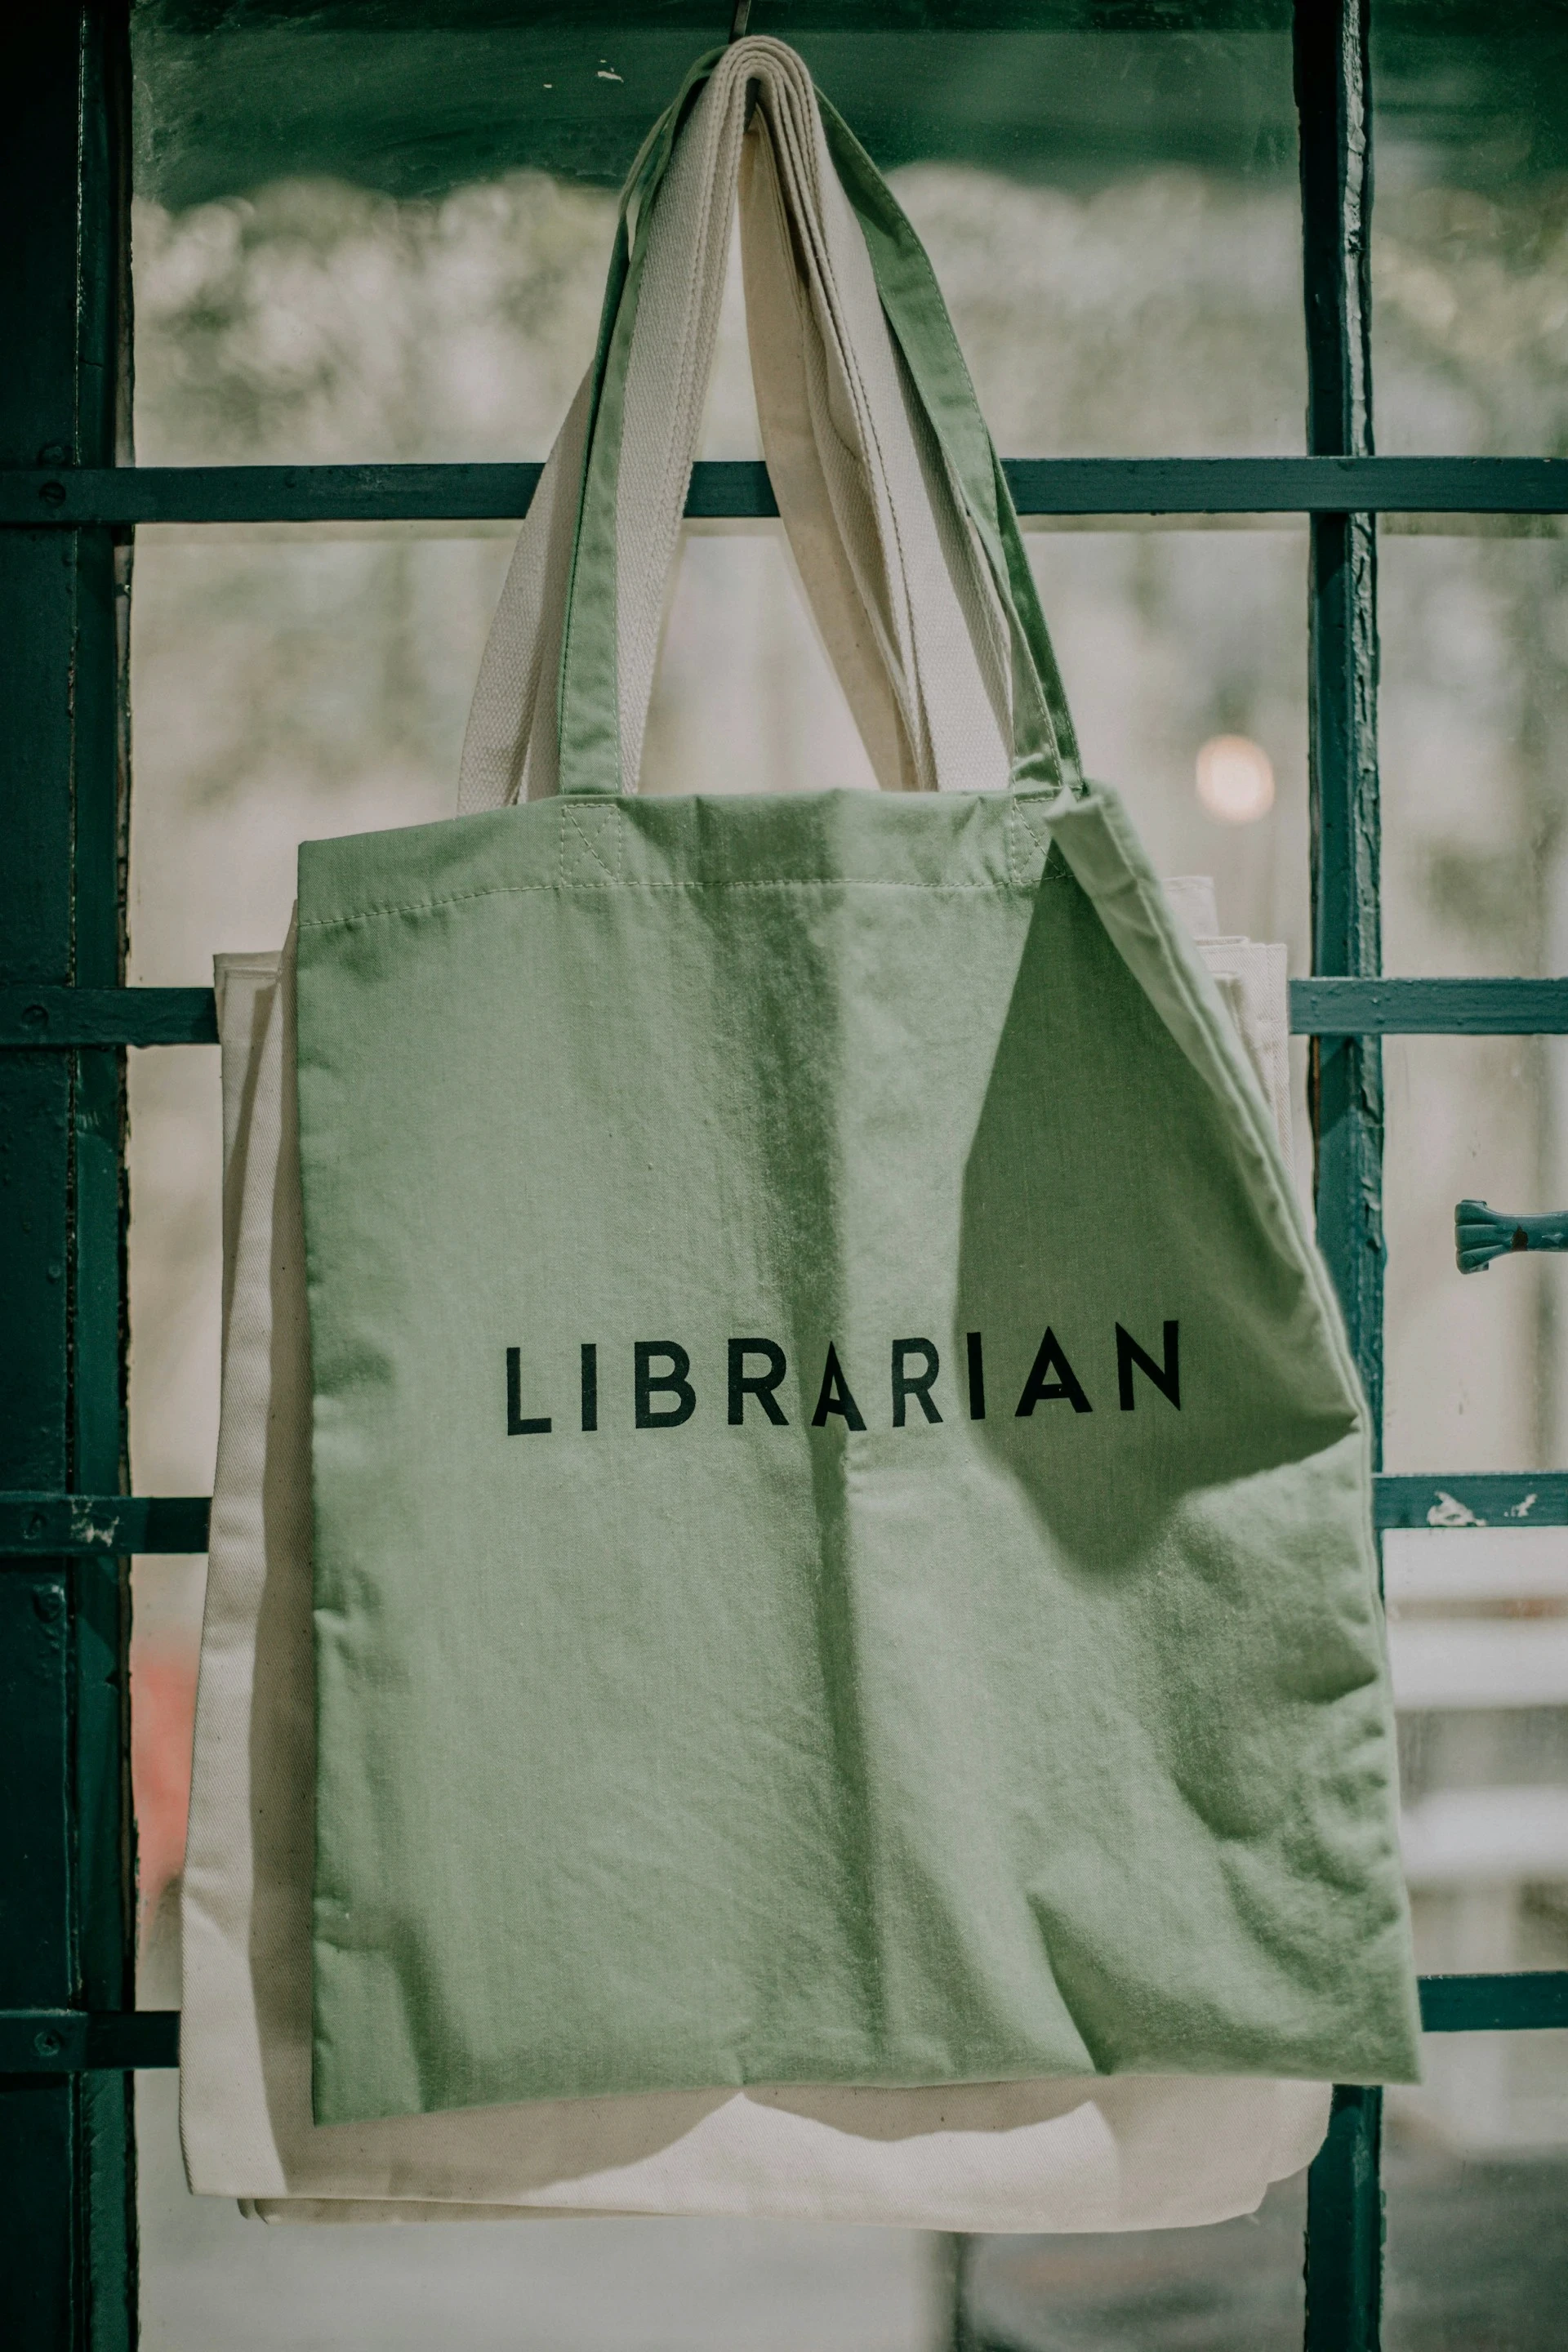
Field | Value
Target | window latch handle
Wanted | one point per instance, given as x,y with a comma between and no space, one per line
1481,1234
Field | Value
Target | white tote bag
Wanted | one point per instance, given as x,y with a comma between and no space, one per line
1127,2152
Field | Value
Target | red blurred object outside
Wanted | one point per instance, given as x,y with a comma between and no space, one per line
163,1717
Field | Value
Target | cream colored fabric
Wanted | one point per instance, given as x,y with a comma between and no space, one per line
1127,2152
1253,982
886,560
511,748
359,2209
1192,901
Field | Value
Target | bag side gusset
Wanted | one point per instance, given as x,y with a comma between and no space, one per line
1335,1498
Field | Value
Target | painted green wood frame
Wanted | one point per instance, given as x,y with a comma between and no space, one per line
68,500
66,2173
740,487
1333,39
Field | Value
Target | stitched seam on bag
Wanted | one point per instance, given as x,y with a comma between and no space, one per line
1017,822
584,828
524,889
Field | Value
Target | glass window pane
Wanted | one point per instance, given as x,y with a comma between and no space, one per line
1235,2287
1473,724
1476,1377
312,322
408,98
389,244
1478,1642
1114,218
1478,1616
1171,640
1476,2178
1469,257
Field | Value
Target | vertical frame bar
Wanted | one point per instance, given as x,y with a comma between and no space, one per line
67,2169
1333,101
1344,2226
1344,2200
105,1901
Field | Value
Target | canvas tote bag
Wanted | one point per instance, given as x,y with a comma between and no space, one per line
1122,2153
842,1548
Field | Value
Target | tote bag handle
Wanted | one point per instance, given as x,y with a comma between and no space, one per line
888,563
897,511
706,135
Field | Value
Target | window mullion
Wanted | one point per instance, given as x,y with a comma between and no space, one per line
1344,2201
66,2169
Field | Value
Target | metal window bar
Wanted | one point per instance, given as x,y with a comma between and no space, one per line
68,503
1344,2196
67,2163
43,497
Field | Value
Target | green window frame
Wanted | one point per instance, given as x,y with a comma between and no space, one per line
69,502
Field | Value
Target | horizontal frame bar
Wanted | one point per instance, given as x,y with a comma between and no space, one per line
1525,1498
95,1527
120,497
80,2042
69,1017
72,1017
1414,1008
1530,2002
101,1526
84,2042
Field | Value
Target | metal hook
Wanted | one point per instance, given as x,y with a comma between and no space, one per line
738,21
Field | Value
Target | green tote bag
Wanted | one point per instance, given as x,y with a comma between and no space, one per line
843,1548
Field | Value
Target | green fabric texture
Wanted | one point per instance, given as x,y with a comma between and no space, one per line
703,1754
843,1547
